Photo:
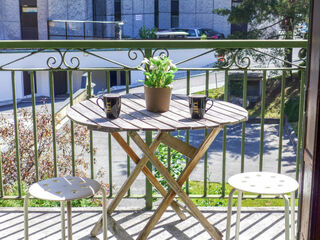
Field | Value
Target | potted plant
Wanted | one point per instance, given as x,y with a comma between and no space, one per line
159,74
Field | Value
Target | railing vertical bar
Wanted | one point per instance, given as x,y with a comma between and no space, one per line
128,138
224,146
34,119
244,105
1,180
205,170
263,104
188,82
169,159
127,81
72,125
148,184
109,143
110,164
207,83
188,131
148,54
283,83
53,119
300,121
16,133
205,173
91,132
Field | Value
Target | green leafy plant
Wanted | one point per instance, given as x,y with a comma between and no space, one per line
159,72
147,33
173,160
203,37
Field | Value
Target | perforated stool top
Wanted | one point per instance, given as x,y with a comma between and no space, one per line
263,183
64,188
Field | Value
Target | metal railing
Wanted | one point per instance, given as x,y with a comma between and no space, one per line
65,59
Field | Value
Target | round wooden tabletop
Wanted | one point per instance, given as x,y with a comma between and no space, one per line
135,117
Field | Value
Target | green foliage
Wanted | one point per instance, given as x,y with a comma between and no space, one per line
172,159
203,37
291,108
196,188
147,33
215,93
159,72
262,16
13,191
236,88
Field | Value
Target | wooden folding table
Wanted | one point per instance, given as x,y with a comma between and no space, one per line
134,118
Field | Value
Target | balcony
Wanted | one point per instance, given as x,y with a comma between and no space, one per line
62,147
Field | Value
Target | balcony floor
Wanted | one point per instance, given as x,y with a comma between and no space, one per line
44,223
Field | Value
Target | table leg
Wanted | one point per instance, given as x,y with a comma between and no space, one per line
125,187
141,165
176,186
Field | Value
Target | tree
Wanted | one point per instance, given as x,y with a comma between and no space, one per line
264,18
270,19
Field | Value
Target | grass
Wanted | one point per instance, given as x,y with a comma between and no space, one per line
273,99
89,202
216,93
196,188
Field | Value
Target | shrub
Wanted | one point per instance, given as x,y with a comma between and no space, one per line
45,148
147,33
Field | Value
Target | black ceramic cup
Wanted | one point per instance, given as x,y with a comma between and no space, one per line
197,105
111,105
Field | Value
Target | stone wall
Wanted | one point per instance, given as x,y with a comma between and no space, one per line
10,20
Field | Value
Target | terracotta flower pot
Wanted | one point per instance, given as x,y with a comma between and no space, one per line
157,99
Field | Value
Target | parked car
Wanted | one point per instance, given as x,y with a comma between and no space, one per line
302,30
171,34
198,32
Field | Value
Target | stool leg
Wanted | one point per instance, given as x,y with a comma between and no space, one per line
238,214
229,214
286,215
63,220
104,212
26,223
293,219
69,212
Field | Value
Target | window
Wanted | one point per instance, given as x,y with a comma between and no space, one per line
99,14
174,13
117,10
192,33
156,13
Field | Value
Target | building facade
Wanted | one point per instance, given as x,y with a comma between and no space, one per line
32,19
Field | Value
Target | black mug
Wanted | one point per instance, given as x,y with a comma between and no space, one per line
197,105
111,105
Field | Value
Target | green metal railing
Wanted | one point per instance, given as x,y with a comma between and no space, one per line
237,62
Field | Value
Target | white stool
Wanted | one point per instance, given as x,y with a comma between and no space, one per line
263,183
65,189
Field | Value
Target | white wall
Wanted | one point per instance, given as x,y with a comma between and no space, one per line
39,61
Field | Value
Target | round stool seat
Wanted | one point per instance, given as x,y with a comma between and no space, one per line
64,188
263,183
